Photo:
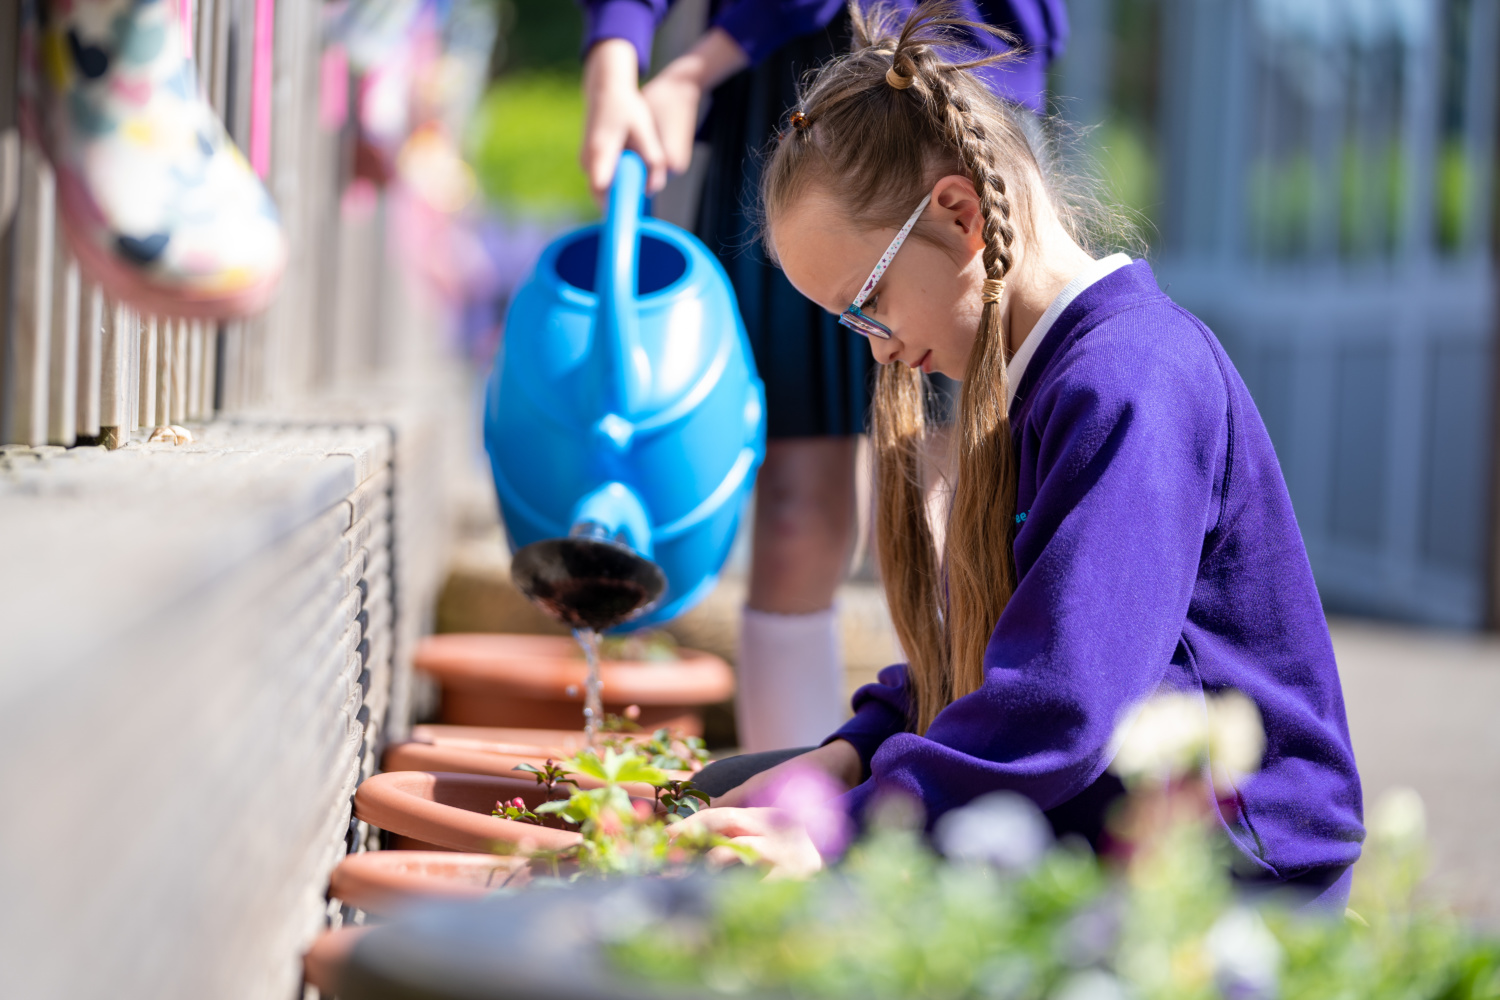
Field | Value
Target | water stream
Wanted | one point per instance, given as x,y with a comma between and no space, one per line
593,700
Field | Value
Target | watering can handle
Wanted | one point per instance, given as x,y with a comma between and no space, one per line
617,356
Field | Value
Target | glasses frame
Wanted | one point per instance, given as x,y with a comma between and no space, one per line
853,317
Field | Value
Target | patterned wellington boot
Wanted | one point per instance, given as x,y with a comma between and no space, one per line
158,204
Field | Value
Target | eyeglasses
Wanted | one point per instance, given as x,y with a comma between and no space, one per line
855,319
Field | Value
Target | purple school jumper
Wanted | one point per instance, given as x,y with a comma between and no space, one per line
1158,550
760,27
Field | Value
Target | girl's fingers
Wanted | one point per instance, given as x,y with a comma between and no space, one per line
726,822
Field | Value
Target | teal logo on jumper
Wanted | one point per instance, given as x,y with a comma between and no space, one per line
1021,517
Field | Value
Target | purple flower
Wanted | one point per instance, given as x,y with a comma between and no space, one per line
809,798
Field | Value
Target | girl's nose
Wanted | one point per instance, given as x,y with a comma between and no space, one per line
884,351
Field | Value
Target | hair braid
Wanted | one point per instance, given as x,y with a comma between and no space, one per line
980,571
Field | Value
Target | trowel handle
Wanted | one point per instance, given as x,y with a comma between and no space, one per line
617,354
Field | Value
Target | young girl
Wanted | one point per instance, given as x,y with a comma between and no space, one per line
747,67
1119,524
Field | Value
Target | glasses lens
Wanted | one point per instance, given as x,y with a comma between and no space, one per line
862,324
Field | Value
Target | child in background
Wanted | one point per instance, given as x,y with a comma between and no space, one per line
1119,526
791,679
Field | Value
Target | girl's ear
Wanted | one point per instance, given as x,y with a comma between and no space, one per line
957,204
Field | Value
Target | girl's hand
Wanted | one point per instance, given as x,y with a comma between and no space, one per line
675,93
618,118
781,843
839,760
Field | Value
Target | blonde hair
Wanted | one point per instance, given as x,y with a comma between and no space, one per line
878,127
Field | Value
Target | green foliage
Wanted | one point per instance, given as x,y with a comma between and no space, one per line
1455,192
651,646
1130,168
523,145
620,835
665,749
539,35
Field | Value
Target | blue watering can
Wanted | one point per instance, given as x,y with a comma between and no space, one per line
624,419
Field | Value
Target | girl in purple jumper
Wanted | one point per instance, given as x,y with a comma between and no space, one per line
1119,525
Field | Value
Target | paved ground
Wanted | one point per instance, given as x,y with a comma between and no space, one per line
1422,710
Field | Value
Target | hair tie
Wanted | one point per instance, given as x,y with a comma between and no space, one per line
992,289
800,121
897,80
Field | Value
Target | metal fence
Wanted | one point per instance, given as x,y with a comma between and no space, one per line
76,367
1321,179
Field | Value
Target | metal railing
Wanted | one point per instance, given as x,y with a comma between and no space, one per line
79,368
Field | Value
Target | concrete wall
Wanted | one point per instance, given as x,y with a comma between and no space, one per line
202,650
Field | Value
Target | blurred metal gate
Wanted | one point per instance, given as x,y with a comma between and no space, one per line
1322,178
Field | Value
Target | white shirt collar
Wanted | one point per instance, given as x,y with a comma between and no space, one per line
1090,274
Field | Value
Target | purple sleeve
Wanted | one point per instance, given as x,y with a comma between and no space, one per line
1126,467
879,713
633,20
760,27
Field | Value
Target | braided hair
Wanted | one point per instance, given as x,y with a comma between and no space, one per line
879,126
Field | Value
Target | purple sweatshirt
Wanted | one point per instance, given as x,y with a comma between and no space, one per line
1158,550
760,27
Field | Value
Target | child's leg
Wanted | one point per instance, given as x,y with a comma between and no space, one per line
790,664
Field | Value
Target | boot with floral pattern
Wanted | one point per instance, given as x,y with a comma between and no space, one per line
158,204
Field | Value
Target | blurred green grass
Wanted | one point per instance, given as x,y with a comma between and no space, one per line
523,145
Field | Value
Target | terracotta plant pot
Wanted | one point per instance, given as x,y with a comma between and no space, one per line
427,811
384,882
324,964
537,681
554,743
463,750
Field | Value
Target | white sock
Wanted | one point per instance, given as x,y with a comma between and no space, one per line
791,680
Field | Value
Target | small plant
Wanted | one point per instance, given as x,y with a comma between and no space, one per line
516,809
641,647
621,835
550,775
680,798
665,748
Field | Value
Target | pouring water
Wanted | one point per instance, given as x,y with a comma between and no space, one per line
591,584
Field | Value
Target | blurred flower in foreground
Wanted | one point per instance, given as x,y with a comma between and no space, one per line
806,796
1170,734
1002,829
1245,956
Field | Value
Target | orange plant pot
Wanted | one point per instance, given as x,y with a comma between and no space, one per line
384,882
323,965
423,810
536,681
473,756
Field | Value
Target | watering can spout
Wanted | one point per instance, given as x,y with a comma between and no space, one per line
619,363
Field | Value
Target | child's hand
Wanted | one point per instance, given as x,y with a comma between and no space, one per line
781,843
839,760
675,93
618,119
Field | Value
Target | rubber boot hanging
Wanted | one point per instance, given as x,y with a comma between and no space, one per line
159,205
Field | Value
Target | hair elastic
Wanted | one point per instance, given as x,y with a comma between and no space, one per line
992,289
898,80
800,120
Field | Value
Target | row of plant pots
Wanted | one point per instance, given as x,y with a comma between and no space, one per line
507,701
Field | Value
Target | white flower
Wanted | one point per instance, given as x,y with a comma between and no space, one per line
1003,829
1246,957
1165,737
1398,820
1170,734
1092,984
1237,739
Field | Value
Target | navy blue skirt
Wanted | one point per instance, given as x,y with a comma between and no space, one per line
818,374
